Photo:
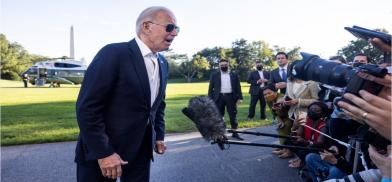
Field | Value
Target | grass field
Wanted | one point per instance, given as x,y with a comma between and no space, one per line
38,115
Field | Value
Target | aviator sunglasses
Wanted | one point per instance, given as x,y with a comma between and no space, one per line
169,27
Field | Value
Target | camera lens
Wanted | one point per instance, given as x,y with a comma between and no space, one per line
312,67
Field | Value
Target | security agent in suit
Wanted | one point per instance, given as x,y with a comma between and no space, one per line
120,107
278,76
258,80
225,89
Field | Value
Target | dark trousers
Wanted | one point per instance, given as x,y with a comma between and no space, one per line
137,170
253,102
226,100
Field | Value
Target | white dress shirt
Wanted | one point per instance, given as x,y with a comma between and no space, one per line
152,66
261,77
225,82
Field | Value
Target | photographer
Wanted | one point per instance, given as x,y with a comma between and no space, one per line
373,110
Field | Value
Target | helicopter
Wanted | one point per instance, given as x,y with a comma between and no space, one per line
56,72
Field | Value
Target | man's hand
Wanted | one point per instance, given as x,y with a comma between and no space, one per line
160,147
328,157
262,80
291,102
111,166
280,85
382,46
382,161
239,101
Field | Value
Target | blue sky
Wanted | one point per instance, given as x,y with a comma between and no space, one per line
42,26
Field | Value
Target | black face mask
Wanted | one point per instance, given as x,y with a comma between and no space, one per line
259,68
356,64
224,68
314,115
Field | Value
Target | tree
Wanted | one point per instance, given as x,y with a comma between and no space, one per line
362,46
244,55
213,55
15,59
174,61
194,68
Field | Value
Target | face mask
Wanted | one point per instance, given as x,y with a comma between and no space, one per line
357,64
259,68
224,68
314,115
271,97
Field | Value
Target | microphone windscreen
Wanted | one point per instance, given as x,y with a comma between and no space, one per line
204,113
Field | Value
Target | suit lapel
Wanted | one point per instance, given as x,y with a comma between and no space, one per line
162,70
257,75
232,82
141,70
218,81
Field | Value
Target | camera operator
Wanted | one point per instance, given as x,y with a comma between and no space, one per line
340,126
374,111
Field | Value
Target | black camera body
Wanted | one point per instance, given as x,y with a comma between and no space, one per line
312,67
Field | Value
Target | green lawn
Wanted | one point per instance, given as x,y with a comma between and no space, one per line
38,115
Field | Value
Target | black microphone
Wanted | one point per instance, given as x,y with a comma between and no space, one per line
204,113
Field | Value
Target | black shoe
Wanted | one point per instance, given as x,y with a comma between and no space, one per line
236,136
263,118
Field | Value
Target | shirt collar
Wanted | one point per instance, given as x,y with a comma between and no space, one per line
143,48
284,67
227,72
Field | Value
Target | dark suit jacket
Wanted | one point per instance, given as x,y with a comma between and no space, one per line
113,108
254,88
275,78
215,86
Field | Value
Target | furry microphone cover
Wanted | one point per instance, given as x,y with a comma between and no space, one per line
204,113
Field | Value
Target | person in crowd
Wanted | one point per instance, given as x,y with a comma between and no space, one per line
121,104
340,126
278,76
299,95
258,81
374,111
315,118
360,59
225,89
279,112
25,78
326,165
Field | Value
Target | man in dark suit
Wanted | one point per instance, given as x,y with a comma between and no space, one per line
278,76
225,90
258,80
120,107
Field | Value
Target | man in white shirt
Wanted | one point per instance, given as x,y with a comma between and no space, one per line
225,90
121,104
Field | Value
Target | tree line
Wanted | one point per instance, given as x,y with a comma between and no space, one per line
242,55
15,59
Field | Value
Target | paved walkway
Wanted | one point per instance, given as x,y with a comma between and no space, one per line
189,158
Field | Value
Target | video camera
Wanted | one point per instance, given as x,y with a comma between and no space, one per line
312,67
